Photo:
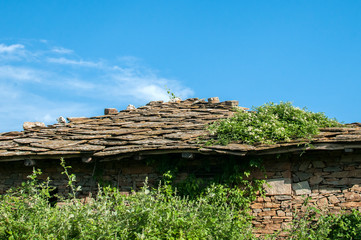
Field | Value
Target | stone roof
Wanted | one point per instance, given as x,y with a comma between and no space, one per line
156,128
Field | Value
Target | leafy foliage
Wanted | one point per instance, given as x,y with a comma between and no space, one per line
315,224
160,213
170,93
270,123
232,185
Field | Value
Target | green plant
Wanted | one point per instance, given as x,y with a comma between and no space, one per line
345,226
71,179
232,185
318,224
270,123
160,213
171,95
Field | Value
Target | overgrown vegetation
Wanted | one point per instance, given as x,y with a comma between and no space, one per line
232,183
316,224
270,123
160,213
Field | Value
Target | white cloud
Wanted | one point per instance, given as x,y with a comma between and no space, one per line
15,73
67,61
36,86
62,50
151,92
10,48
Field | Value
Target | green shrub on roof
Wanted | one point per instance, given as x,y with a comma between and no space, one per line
270,123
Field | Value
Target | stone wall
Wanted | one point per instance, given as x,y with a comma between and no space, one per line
332,180
126,175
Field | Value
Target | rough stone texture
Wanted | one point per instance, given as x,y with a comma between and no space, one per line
280,186
108,111
131,107
301,188
30,125
183,122
213,100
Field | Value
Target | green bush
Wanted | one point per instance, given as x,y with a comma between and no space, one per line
25,213
270,123
315,224
345,226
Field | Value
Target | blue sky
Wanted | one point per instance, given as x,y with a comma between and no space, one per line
74,58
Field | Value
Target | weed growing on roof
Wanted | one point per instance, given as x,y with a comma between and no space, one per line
170,93
270,123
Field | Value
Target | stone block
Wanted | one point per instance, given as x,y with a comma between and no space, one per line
30,125
352,196
332,169
273,227
354,181
354,173
137,169
279,186
333,199
318,164
289,214
304,166
271,205
257,205
213,100
350,204
349,168
286,174
131,107
323,202
109,111
337,182
303,175
301,188
341,174
267,213
314,180
346,159
356,188
281,213
232,103
283,197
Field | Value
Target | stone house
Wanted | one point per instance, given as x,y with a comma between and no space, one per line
116,148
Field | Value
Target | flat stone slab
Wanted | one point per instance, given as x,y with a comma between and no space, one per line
278,186
301,188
